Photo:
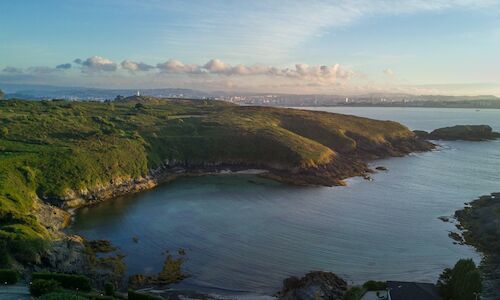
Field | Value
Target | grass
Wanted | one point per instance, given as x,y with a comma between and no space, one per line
49,148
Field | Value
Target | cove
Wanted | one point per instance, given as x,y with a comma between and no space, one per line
246,234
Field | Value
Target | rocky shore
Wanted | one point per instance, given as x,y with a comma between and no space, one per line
330,174
480,226
313,285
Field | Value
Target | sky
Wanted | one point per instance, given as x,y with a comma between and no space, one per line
304,47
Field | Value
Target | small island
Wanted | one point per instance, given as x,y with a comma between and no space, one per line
460,132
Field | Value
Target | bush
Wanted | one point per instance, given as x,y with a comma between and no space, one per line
4,253
109,289
133,295
8,276
373,285
67,281
41,287
354,293
61,296
463,282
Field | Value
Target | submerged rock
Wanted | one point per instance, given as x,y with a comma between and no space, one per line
444,218
381,168
313,286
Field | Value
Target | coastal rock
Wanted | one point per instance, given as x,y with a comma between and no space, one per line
444,218
313,286
460,132
66,255
381,168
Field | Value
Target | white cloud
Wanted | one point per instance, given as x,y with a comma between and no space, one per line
389,72
176,66
318,74
133,66
96,64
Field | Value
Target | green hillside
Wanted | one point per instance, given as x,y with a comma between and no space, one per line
50,148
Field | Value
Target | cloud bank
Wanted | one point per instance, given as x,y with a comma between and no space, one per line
215,73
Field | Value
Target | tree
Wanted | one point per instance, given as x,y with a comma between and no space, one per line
2,94
463,282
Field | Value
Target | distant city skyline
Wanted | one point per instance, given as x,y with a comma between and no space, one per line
324,47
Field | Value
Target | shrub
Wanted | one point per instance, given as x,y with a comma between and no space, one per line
4,132
109,289
61,296
67,281
354,293
463,282
8,276
26,250
133,295
41,287
4,254
373,285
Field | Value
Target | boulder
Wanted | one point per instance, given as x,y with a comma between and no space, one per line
313,286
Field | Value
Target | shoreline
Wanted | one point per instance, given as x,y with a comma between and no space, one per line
474,223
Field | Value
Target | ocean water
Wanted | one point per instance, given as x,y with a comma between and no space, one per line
244,234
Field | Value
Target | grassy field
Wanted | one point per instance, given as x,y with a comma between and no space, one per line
48,148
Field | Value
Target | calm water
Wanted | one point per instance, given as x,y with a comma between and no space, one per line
242,233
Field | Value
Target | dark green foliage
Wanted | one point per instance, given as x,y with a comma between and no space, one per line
4,131
8,276
354,293
172,270
2,94
133,295
67,281
41,287
61,296
109,289
373,285
463,282
26,250
4,255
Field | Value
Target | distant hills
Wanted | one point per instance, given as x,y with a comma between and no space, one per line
40,92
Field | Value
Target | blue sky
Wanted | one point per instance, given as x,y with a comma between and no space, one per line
357,46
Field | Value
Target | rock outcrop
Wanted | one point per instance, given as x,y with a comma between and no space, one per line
313,286
460,132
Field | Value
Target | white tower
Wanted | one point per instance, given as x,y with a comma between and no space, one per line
138,93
